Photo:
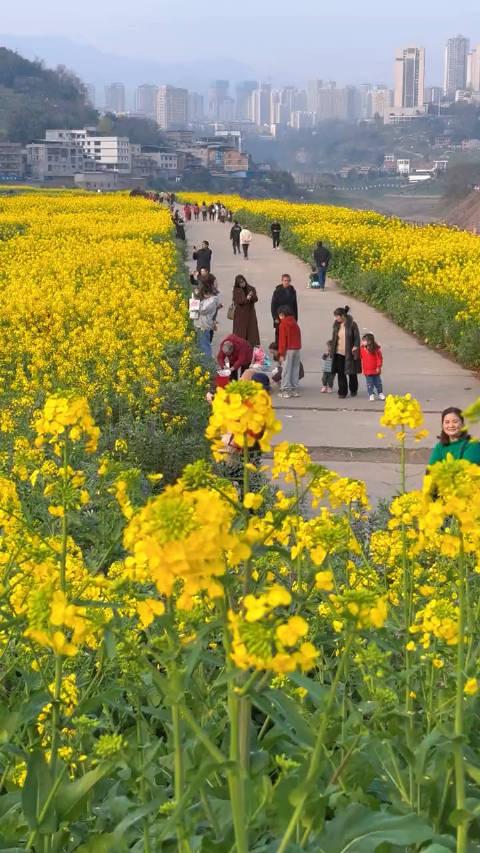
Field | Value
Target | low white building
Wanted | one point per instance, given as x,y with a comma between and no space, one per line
109,153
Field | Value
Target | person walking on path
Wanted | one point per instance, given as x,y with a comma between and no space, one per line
289,351
372,360
235,232
455,440
245,240
203,256
275,229
284,294
211,213
207,311
179,228
187,211
245,323
196,212
322,257
235,353
204,210
327,366
346,349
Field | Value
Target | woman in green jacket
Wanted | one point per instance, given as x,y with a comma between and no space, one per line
454,439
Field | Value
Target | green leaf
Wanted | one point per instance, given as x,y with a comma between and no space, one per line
107,843
284,712
459,817
438,848
72,793
359,830
316,691
473,772
8,723
37,787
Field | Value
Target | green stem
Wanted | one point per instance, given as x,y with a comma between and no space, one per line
56,713
316,757
58,658
143,789
462,829
403,467
179,774
236,780
41,817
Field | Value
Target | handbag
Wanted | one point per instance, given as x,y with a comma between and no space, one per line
231,312
194,308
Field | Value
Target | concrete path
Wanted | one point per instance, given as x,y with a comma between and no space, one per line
340,433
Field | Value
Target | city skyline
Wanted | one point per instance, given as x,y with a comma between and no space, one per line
275,45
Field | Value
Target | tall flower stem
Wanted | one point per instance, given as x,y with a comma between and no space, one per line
462,828
243,703
179,776
316,757
58,657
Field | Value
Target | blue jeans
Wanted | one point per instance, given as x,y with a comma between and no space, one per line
322,277
204,342
374,383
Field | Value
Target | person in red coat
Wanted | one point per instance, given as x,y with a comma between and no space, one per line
289,351
237,352
372,360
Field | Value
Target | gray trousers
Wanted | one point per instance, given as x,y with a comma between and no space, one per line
291,370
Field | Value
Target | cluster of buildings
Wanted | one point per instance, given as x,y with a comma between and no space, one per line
253,106
85,159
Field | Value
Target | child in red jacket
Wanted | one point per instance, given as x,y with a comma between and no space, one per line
372,360
289,351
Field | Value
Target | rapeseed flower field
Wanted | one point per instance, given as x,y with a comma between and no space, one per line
202,665
426,277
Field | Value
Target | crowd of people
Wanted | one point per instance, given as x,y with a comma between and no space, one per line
346,353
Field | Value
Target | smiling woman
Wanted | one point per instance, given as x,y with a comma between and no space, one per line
455,440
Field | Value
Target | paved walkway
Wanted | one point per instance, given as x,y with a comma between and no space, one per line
340,433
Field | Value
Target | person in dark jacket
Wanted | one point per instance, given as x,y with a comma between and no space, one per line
245,323
284,294
346,349
275,228
179,229
322,257
235,232
203,256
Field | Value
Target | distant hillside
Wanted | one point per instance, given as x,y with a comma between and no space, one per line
466,214
100,67
33,98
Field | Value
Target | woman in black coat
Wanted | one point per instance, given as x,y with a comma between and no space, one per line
346,352
284,294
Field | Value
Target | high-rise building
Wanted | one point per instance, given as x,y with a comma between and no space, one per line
314,87
217,95
242,94
409,78
473,75
381,100
282,104
91,96
456,56
196,110
327,102
259,105
146,100
115,98
172,108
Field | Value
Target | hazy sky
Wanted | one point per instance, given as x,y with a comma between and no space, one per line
347,40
